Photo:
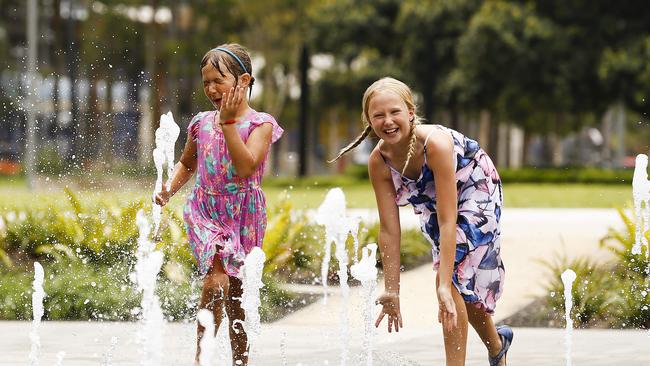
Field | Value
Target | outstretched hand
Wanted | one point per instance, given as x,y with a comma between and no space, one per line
446,308
230,103
161,198
390,306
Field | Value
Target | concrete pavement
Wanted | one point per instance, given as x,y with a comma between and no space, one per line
89,343
311,336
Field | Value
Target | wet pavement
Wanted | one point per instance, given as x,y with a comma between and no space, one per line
312,336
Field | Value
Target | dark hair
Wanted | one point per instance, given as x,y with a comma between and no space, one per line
215,57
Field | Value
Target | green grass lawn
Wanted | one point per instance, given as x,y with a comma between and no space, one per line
310,195
515,195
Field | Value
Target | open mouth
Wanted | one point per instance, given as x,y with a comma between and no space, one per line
391,131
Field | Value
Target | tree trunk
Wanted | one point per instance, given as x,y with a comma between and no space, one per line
333,141
620,134
502,143
58,64
108,132
92,117
157,84
74,131
516,147
484,130
303,121
454,119
494,146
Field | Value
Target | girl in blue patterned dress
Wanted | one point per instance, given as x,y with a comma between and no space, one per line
455,189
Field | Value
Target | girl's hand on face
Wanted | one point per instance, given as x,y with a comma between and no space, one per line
390,306
230,103
447,308
161,198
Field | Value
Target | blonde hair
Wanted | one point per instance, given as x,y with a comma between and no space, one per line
404,92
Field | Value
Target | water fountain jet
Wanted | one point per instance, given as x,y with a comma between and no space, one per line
37,311
332,215
148,264
641,195
250,301
366,272
568,277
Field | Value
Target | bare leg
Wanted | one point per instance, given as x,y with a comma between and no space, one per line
484,326
236,315
456,340
215,291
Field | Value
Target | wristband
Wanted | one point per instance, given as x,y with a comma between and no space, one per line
228,122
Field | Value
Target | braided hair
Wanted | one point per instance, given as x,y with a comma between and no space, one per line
412,141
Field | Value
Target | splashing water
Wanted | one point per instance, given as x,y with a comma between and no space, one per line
283,349
250,300
366,272
59,358
568,277
166,136
37,310
108,356
332,215
149,261
223,342
208,341
641,195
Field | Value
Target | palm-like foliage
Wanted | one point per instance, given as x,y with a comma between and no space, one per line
616,293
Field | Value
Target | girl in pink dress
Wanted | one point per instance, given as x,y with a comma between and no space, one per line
225,214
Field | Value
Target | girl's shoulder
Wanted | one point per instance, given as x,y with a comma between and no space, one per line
200,116
255,119
195,123
434,134
261,117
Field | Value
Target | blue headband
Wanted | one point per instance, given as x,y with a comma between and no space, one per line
250,87
233,55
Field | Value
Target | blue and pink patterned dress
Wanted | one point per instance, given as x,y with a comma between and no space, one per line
478,269
225,214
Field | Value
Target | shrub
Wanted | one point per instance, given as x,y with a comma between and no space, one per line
615,294
631,276
591,303
414,248
566,175
87,250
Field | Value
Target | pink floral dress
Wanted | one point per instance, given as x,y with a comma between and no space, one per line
225,214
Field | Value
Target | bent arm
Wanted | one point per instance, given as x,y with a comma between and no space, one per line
389,225
440,152
247,157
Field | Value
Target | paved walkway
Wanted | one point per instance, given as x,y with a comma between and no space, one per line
90,344
311,336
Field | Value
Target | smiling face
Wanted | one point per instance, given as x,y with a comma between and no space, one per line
389,116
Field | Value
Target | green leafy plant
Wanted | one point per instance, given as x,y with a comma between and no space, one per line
591,302
631,275
613,294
